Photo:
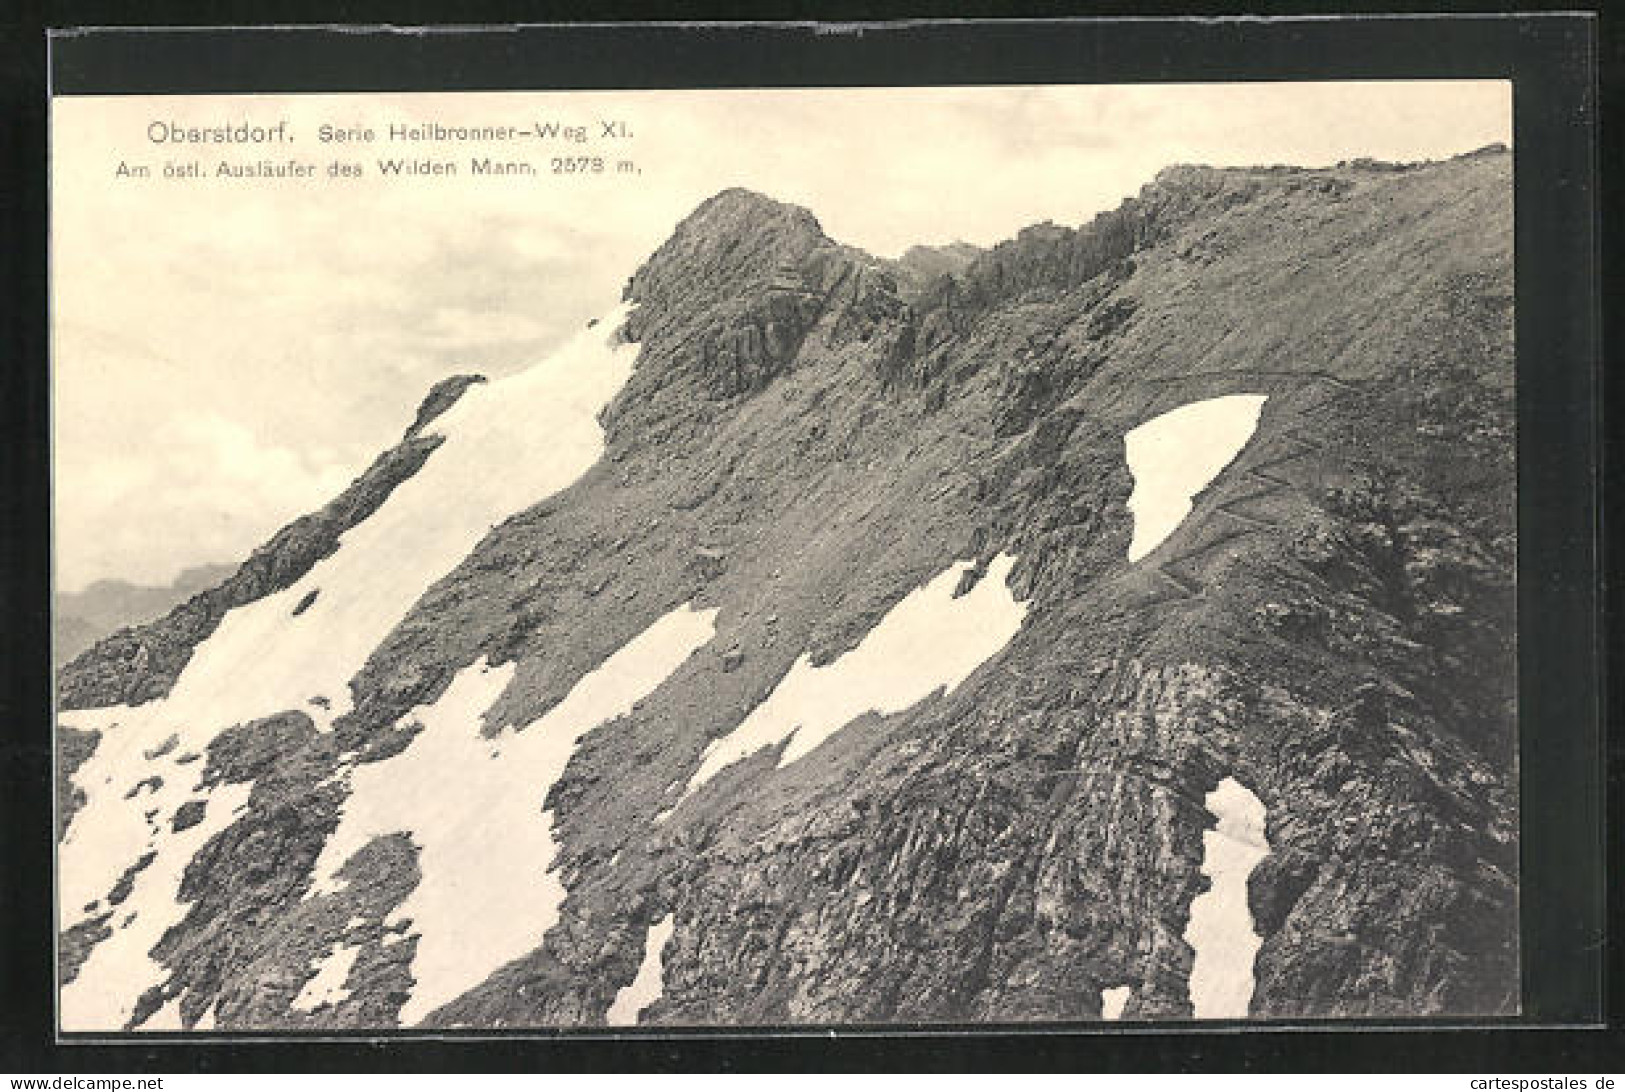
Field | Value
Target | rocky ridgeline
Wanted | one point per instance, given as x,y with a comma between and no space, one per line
441,397
140,663
811,433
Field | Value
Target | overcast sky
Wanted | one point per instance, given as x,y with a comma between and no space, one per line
229,354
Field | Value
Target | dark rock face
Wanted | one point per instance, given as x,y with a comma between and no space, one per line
730,297
809,435
248,752
188,815
75,944
80,619
72,748
121,889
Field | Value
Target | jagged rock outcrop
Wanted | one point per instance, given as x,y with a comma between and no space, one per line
807,438
726,302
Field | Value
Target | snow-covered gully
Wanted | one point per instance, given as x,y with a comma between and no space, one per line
1221,930
649,984
1176,455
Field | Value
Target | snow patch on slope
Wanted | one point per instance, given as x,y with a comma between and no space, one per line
1174,456
649,984
326,987
507,445
473,805
127,817
928,641
1220,930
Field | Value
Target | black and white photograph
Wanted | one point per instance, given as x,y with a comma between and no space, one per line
747,558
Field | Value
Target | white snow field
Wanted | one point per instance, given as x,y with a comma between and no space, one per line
1112,1001
1174,456
929,641
646,988
507,445
1220,930
111,833
327,986
473,805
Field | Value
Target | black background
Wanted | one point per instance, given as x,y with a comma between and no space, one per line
1552,60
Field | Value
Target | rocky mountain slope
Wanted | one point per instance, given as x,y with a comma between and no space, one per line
821,472
84,617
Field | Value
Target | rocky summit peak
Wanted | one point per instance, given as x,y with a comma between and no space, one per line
740,281
732,241
737,233
737,207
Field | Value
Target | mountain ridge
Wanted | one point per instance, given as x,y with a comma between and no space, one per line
108,605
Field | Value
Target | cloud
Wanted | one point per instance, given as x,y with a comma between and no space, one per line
207,487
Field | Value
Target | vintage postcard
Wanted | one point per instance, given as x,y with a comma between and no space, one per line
760,558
